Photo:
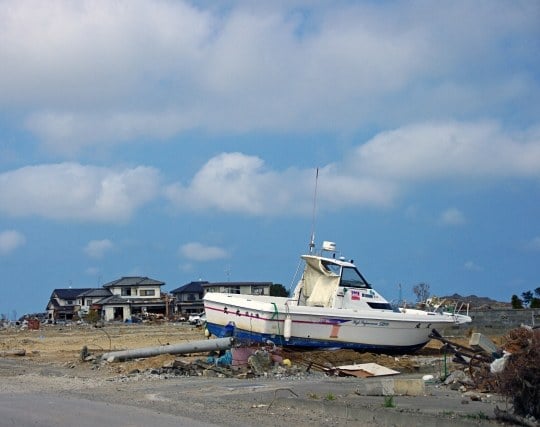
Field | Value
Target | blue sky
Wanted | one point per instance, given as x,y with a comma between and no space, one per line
179,140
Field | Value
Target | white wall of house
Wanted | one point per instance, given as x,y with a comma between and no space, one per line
138,292
86,303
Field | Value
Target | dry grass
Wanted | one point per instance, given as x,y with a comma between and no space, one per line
64,343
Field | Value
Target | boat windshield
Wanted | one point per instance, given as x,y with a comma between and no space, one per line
351,278
330,266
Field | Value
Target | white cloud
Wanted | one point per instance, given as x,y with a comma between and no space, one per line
452,216
110,72
98,248
450,149
196,251
10,240
77,192
375,174
68,132
234,182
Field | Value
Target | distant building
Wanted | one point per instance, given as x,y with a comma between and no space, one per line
133,296
246,288
136,296
117,300
63,304
188,299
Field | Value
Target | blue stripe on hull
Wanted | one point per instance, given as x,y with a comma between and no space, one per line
221,331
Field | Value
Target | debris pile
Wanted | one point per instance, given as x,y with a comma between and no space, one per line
520,379
512,371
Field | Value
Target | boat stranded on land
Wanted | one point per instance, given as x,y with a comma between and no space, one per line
333,306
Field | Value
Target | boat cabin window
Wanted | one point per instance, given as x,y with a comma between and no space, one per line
331,267
351,278
380,306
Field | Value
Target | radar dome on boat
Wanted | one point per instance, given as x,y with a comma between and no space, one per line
328,246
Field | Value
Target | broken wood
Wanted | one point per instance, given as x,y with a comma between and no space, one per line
362,370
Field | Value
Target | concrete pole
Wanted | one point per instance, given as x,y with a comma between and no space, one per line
189,347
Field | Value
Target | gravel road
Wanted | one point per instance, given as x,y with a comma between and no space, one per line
45,391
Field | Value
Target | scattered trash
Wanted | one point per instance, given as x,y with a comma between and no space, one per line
498,365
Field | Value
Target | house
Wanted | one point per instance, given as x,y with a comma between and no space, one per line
188,299
134,296
63,304
247,288
89,299
117,300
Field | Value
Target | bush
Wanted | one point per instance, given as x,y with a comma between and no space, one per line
92,317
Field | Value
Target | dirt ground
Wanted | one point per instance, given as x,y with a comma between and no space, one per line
52,363
62,345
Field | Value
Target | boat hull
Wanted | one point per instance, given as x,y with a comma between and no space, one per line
263,319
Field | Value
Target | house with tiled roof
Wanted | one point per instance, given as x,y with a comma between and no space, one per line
90,299
134,296
188,299
119,300
247,288
63,304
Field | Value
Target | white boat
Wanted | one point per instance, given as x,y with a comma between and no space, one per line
333,306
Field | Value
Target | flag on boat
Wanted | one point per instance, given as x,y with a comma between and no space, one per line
355,295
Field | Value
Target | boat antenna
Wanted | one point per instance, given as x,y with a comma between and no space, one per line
312,241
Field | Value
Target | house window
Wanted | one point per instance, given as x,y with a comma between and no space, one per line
147,292
126,292
232,289
191,297
257,290
69,302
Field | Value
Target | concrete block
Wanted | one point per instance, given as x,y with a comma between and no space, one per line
480,341
392,387
370,388
409,387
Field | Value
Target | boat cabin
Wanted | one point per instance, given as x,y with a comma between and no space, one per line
336,283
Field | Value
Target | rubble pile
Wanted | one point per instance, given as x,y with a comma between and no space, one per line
260,362
520,379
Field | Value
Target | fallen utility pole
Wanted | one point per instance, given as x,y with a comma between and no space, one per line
19,352
189,347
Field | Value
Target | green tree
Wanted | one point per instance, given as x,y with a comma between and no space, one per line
516,302
278,290
535,303
537,292
527,297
